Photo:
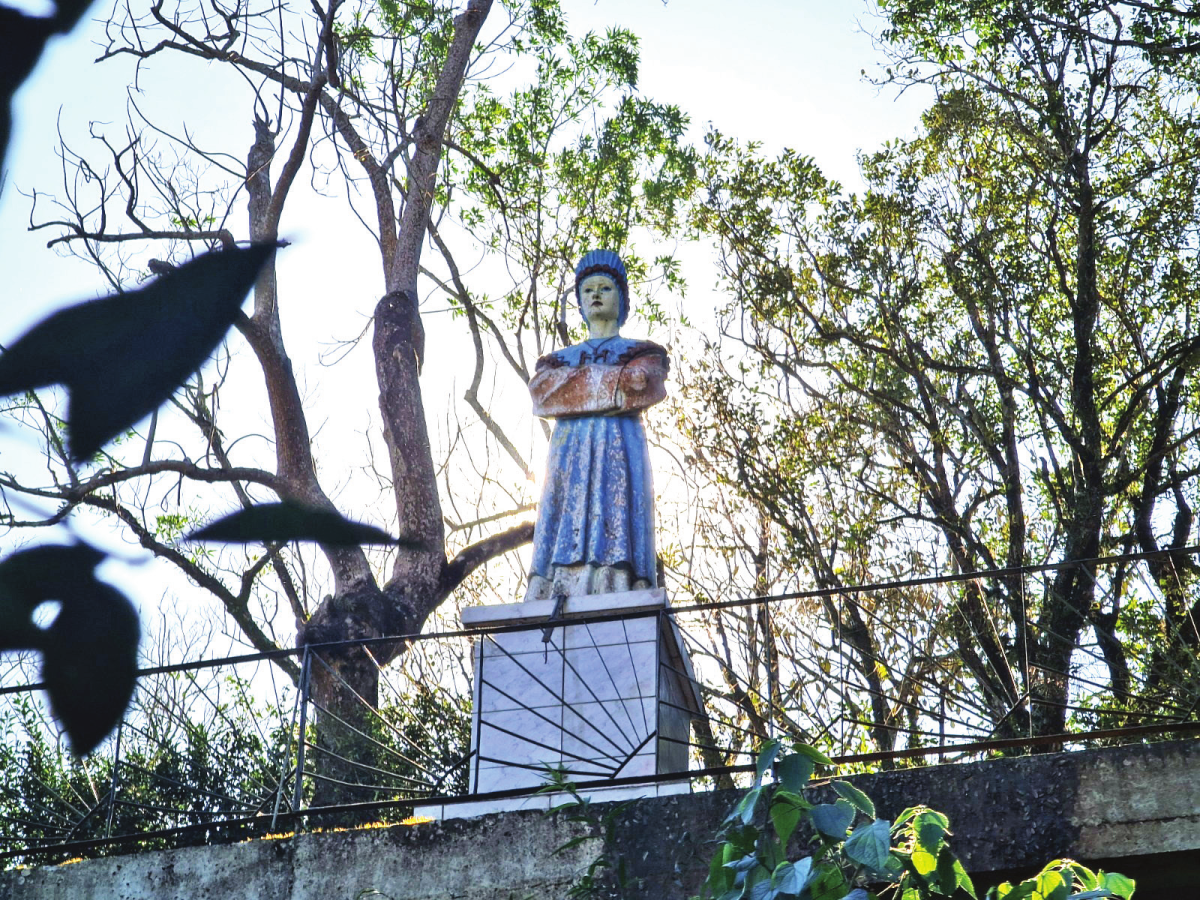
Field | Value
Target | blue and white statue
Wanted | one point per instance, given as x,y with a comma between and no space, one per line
595,525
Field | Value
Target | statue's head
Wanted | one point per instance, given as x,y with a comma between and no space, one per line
607,263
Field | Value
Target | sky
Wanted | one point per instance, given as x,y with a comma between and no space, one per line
783,72
786,73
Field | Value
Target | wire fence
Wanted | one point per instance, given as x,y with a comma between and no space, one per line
876,676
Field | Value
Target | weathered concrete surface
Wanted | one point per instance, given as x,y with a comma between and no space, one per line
508,857
1008,816
1137,809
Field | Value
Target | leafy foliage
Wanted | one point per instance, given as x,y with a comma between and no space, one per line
194,770
198,750
1063,879
979,363
846,853
605,866
850,851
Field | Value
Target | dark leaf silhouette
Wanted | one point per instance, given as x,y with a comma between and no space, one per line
288,521
89,662
89,651
122,356
22,39
34,576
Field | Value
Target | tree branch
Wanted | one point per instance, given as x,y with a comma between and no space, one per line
474,556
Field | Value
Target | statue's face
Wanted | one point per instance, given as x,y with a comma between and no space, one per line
601,298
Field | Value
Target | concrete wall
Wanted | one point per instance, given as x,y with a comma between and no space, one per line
1137,809
498,857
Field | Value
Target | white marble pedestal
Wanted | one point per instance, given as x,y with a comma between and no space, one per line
600,700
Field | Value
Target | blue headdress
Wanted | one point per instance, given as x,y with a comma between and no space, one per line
603,262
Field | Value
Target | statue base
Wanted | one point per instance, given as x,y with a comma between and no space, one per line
606,698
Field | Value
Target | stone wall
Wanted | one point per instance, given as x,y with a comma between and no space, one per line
1137,809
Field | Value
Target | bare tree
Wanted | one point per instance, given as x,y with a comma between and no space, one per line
391,101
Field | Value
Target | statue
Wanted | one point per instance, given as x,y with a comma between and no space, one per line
595,524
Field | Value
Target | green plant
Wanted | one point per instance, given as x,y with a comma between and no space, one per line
1064,879
850,853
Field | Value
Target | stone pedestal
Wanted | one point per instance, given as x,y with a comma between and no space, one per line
599,700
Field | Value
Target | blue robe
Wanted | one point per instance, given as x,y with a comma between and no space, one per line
597,503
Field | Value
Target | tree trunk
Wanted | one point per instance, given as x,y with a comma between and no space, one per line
345,678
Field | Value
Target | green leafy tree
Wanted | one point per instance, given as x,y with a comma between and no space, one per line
981,362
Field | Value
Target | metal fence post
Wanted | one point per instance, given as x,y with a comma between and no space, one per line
305,672
112,786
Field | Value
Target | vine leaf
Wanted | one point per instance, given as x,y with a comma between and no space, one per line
870,845
122,356
832,819
787,809
793,772
855,798
291,521
1119,884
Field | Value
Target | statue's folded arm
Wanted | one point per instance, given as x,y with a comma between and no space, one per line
595,389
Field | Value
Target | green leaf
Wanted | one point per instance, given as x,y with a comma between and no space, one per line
812,753
1051,885
930,827
790,878
745,864
573,842
924,861
740,838
828,883
832,819
1008,891
288,521
766,757
744,811
1086,878
791,798
785,815
855,797
951,875
793,771
871,845
719,878
1118,884
123,356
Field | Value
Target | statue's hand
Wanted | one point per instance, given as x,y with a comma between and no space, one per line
642,383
